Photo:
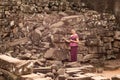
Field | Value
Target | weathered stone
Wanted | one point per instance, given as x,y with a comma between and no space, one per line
88,57
111,65
90,74
72,71
81,77
42,69
92,42
56,54
93,50
116,50
99,70
88,69
35,38
46,45
56,64
50,74
54,71
109,33
73,64
108,39
108,46
61,77
34,77
58,24
101,50
116,77
2,78
30,76
61,71
50,53
100,78
70,17
116,44
8,75
31,19
79,57
117,35
38,63
16,64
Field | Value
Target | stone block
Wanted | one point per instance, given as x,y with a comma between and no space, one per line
35,77
88,57
117,35
109,33
116,77
92,42
58,24
72,71
111,67
2,78
88,69
20,66
73,64
116,44
30,76
49,53
81,77
56,54
101,50
108,46
42,69
108,39
61,71
116,50
61,77
2,15
92,50
79,57
5,3
109,52
90,74
99,78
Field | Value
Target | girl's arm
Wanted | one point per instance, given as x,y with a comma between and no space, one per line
66,40
76,41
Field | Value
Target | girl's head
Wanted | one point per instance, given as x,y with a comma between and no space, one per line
73,31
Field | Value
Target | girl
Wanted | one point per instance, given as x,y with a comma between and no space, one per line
74,40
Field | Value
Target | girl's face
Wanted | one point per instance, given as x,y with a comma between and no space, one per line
73,31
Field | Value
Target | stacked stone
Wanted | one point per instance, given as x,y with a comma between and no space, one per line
27,32
11,16
9,19
46,31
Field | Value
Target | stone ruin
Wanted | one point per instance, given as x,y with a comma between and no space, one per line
34,30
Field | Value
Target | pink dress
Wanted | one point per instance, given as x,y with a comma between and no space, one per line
74,46
74,37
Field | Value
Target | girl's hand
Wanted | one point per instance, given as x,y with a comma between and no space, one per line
75,41
71,40
66,39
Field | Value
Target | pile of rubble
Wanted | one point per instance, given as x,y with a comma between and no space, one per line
42,69
28,32
34,36
41,35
